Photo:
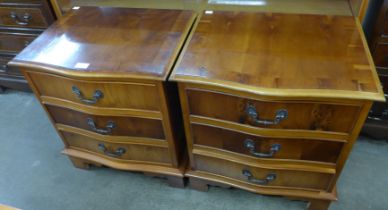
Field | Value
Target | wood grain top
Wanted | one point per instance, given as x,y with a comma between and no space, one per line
280,54
116,42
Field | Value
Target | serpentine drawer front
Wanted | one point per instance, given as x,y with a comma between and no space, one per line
295,115
273,103
264,177
266,147
109,125
121,151
107,93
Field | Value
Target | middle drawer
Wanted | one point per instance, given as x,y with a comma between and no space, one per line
260,147
108,125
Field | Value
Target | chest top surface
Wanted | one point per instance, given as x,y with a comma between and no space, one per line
280,54
111,41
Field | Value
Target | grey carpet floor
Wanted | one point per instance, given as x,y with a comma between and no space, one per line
34,175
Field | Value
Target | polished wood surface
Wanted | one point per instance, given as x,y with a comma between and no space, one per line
116,111
295,149
114,93
132,152
123,126
316,67
301,115
289,55
286,178
142,46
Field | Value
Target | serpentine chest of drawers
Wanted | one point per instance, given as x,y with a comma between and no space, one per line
21,21
273,103
100,73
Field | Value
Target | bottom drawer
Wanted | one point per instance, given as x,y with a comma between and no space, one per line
262,176
118,151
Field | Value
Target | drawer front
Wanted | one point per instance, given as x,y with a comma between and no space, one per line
261,176
300,115
380,55
101,94
22,17
15,43
108,125
271,148
116,150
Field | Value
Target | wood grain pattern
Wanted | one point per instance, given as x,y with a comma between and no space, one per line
207,178
283,178
143,46
294,149
128,54
115,93
132,152
124,126
328,57
113,139
307,166
316,67
301,115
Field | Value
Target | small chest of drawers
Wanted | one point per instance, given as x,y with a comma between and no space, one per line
100,73
20,23
274,105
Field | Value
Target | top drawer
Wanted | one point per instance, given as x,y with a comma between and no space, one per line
273,114
98,93
23,17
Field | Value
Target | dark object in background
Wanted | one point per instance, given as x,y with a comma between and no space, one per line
376,30
20,23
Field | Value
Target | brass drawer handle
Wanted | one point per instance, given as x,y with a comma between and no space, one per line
118,153
251,111
96,96
269,178
108,128
23,20
251,146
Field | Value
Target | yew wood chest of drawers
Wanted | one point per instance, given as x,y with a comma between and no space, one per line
21,21
100,73
272,103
